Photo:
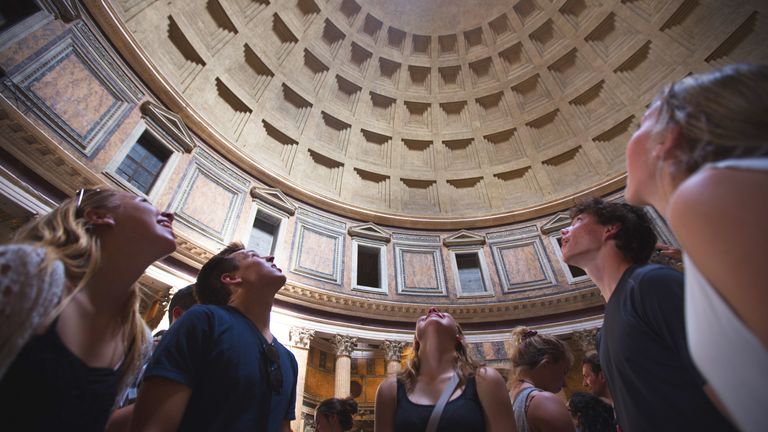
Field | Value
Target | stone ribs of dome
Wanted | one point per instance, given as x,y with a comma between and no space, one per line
459,115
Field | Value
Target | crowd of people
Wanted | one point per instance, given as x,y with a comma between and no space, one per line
676,351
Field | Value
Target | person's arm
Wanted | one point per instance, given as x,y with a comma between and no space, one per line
547,413
497,407
386,403
120,419
286,427
718,215
160,405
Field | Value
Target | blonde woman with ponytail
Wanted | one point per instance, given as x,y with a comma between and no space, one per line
540,364
479,401
70,331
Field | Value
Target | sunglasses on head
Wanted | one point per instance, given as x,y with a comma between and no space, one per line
275,373
79,195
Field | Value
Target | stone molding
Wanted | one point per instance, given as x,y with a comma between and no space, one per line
170,124
370,231
408,311
275,198
464,238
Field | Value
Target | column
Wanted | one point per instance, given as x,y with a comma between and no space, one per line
393,351
299,339
344,346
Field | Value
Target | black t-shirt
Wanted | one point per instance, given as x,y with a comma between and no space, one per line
220,354
48,388
644,353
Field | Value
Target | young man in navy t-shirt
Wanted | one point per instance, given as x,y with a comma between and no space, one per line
219,367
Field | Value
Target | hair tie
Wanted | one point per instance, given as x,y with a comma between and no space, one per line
529,334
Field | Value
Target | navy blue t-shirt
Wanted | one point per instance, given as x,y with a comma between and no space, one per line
219,353
644,354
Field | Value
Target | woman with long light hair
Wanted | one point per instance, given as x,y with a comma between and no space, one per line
700,157
479,402
70,331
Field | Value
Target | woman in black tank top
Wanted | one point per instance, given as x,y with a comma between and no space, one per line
479,403
70,331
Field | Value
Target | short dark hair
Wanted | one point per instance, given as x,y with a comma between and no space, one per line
635,238
209,288
592,413
593,360
184,298
343,409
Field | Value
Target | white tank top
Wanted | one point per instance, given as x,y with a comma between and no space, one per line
731,358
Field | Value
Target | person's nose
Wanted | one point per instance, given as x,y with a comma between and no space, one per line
269,258
169,215
565,231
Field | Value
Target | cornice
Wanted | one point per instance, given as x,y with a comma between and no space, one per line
297,293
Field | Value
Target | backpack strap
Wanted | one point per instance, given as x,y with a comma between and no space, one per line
437,412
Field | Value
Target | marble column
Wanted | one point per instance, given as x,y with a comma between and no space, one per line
393,351
299,339
344,346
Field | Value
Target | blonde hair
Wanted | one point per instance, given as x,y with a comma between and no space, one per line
66,237
721,114
531,347
464,362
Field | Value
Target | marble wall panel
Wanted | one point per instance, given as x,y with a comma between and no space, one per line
210,197
522,264
72,84
419,270
318,248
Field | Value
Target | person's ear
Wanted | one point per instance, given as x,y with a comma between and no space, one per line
611,231
97,218
546,361
176,312
231,278
669,142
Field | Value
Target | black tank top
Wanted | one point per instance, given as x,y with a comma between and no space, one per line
48,388
465,413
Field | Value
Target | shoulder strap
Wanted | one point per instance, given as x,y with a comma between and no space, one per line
437,412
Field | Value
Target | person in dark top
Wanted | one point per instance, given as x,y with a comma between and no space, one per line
182,301
594,377
71,336
219,367
120,419
590,413
643,351
479,402
335,415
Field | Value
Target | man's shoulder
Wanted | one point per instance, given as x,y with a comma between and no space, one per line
654,276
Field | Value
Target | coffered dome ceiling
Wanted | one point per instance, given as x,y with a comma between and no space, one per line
432,113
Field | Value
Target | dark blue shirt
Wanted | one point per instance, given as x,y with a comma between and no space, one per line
220,354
